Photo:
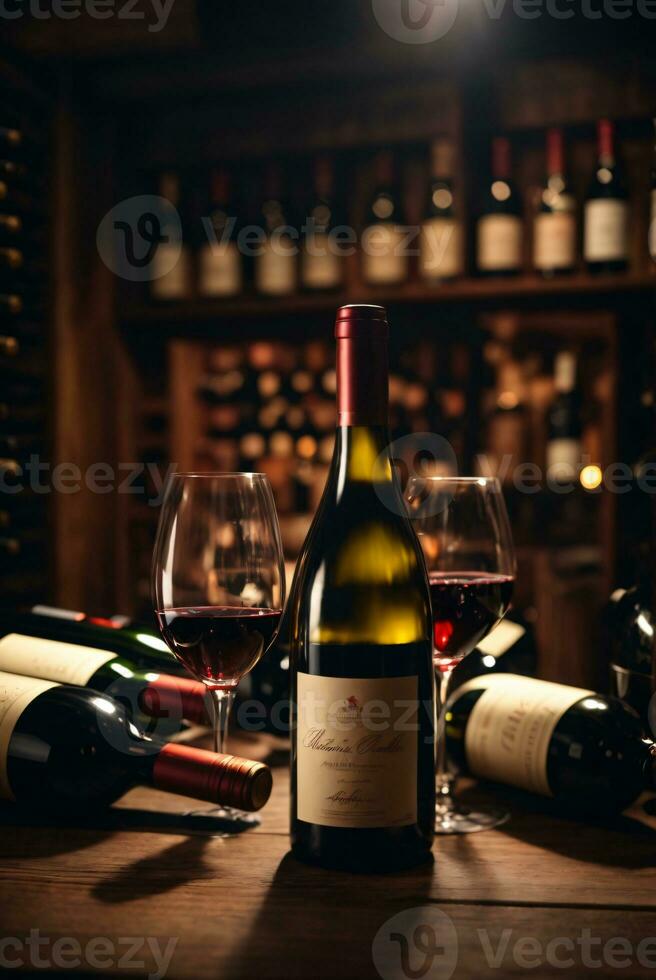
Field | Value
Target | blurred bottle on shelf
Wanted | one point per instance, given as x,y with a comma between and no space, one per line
322,263
171,263
554,233
507,425
276,263
606,218
384,257
564,450
441,256
220,270
500,229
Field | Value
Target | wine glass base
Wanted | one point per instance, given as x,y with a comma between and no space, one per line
223,821
458,819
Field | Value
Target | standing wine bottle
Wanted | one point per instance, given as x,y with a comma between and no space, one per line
384,257
363,787
171,262
156,701
564,437
554,232
276,265
500,230
219,261
606,238
585,750
322,265
441,256
68,749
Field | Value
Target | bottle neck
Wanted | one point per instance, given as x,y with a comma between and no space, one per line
362,382
362,455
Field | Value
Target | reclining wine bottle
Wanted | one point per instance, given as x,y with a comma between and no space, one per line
68,748
363,786
142,648
587,751
157,702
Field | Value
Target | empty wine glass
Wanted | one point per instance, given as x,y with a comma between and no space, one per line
463,528
219,584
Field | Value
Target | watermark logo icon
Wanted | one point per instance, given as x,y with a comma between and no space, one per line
416,21
416,943
414,458
140,239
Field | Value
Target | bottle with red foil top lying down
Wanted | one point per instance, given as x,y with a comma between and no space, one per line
69,748
156,702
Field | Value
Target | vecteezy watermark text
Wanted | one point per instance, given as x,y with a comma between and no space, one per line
424,941
42,477
155,12
426,21
147,955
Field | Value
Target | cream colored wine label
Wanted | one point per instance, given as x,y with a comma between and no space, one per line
66,663
275,269
441,249
499,242
357,751
555,240
219,269
16,693
510,727
606,230
384,256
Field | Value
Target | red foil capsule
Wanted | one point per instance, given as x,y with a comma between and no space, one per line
175,696
362,365
226,780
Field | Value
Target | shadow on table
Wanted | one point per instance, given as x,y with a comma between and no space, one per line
156,874
623,841
318,923
101,824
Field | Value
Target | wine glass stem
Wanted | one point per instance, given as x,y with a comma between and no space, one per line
222,701
443,778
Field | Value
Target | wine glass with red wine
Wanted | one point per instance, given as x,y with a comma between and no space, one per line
219,585
463,528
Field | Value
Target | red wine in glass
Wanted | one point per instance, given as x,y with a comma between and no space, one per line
219,644
466,606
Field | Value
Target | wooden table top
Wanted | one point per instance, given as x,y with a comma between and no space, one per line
541,896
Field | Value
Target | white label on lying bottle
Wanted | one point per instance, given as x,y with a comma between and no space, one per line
510,727
555,241
652,227
66,663
384,258
499,242
440,249
357,751
606,230
16,693
219,269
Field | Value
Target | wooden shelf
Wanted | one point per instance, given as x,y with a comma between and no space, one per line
478,291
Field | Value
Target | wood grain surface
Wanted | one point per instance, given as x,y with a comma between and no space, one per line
524,899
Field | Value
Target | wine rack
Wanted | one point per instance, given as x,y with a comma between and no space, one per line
25,436
156,356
